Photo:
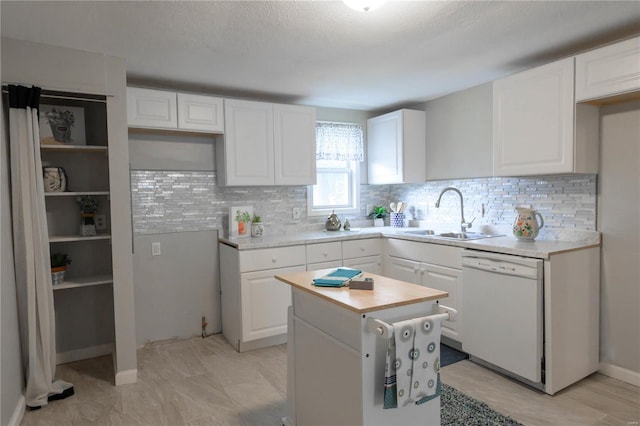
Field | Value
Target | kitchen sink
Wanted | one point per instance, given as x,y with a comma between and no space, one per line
451,235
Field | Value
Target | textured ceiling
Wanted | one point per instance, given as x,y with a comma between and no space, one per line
321,52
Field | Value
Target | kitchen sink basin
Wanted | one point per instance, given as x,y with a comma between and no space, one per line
420,232
450,235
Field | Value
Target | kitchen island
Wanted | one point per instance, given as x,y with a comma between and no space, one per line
335,370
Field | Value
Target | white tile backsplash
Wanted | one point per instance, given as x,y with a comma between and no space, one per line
170,201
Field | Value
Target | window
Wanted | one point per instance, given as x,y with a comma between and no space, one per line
339,150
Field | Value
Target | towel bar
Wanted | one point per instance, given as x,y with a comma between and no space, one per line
385,330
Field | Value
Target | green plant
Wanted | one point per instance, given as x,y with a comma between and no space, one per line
57,117
256,218
88,204
378,212
242,216
59,259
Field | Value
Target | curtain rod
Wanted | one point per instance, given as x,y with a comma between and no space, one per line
43,94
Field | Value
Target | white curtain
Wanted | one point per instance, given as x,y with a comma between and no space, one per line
339,141
31,249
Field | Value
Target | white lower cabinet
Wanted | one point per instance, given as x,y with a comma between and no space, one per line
254,303
265,301
429,265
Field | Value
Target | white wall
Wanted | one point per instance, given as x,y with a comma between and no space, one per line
459,134
11,374
175,290
619,222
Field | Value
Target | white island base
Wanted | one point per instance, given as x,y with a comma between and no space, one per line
336,365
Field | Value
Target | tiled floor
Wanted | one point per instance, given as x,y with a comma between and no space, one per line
205,382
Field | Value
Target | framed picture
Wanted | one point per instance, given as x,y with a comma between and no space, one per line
240,221
62,125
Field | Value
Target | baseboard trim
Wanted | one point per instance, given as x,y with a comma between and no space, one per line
18,412
84,353
126,377
623,374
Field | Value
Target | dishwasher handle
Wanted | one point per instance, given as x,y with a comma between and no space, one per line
531,270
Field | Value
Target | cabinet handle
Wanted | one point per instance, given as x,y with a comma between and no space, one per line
324,253
274,260
361,248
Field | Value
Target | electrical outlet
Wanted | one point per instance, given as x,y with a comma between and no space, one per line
296,212
101,222
155,249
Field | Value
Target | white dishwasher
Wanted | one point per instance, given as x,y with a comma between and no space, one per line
503,313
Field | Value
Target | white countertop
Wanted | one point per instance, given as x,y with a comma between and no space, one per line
540,248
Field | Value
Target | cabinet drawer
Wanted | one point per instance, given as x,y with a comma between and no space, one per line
436,254
324,252
361,248
256,260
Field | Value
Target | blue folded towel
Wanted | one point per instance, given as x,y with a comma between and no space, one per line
337,278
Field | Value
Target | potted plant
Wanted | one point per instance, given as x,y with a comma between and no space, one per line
378,213
242,217
59,262
88,209
256,226
61,123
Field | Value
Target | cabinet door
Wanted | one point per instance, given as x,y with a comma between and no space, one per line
384,148
403,269
200,113
446,279
533,121
294,144
265,301
151,108
248,153
371,264
608,71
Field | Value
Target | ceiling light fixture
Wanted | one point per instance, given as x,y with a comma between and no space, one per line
364,5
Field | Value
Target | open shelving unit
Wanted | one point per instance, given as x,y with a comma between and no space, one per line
84,302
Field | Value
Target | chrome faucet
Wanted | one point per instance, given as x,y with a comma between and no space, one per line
463,224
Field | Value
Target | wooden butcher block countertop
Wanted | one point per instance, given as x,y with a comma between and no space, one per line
386,293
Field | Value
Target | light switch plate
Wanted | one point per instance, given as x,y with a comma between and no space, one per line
296,212
155,249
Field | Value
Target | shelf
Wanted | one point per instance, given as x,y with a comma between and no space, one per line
75,148
68,238
75,193
84,282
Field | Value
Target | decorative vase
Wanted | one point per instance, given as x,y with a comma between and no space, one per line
87,224
54,179
397,220
378,222
57,275
242,228
257,229
61,131
526,226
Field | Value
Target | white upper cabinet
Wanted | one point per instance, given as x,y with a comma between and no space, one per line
247,149
149,108
200,113
396,147
294,132
160,109
267,144
609,71
534,124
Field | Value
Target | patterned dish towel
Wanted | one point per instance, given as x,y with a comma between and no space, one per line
412,369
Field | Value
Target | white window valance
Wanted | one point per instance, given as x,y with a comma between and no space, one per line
339,141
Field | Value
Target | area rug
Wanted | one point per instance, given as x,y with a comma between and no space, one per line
457,409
